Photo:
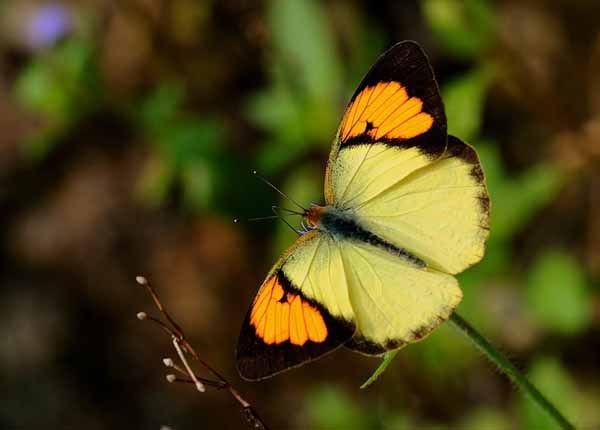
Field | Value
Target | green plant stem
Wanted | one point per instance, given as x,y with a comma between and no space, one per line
509,370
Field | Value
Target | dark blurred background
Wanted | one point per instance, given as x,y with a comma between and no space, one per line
128,131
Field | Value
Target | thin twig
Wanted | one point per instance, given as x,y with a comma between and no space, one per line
183,347
144,282
199,385
170,364
213,384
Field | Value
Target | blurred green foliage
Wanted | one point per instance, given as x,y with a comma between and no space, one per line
59,87
558,294
464,99
330,408
299,108
190,150
487,418
191,159
465,28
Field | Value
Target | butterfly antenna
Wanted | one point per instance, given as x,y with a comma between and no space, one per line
254,172
289,211
263,218
278,215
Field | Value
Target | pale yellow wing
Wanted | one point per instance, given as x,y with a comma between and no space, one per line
436,209
316,269
395,301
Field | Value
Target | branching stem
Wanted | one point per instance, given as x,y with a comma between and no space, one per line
183,347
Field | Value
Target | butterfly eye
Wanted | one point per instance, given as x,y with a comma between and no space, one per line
313,216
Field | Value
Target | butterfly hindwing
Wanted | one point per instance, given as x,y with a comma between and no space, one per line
295,317
396,301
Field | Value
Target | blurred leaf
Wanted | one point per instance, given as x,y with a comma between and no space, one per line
37,91
387,359
557,293
59,84
39,145
156,181
161,106
301,33
550,377
275,107
463,27
199,181
299,108
395,421
191,139
190,147
283,115
519,200
61,87
464,101
329,408
445,342
486,418
274,156
516,200
588,401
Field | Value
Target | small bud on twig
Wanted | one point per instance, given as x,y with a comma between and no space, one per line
182,347
200,386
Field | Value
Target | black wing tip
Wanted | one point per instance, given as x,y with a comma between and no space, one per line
405,44
394,60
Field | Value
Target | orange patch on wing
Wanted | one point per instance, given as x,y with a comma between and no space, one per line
277,320
385,111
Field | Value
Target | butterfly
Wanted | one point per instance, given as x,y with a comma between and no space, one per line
406,208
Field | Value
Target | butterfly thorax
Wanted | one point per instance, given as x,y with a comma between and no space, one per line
338,223
342,224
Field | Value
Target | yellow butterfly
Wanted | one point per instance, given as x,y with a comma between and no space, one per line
406,207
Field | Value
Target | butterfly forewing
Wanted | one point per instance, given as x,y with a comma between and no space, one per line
299,314
397,104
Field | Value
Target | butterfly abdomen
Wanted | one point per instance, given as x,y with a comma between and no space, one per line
343,225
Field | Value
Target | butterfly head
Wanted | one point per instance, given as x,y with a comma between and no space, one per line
312,216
